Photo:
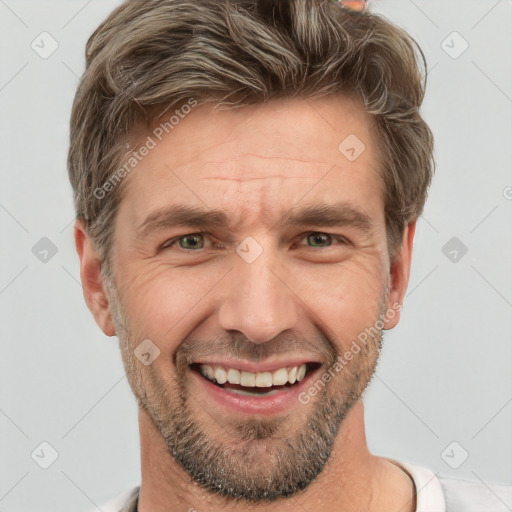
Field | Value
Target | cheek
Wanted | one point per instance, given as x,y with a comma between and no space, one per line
160,301
165,304
346,298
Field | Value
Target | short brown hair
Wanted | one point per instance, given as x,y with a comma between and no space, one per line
154,54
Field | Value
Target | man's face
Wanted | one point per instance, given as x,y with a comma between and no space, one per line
253,297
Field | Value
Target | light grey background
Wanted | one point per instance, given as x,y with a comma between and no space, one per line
445,374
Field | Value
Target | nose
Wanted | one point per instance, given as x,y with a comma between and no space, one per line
259,301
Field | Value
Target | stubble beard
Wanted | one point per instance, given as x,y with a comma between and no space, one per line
264,459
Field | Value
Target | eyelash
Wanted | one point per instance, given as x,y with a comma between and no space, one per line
172,241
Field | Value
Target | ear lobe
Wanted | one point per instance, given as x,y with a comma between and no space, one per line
399,273
92,282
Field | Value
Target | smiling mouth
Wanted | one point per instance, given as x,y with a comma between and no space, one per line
254,383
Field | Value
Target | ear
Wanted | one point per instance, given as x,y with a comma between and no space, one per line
92,282
398,280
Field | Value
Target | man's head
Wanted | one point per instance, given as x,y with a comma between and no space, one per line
247,177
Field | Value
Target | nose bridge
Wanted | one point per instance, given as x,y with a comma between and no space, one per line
257,302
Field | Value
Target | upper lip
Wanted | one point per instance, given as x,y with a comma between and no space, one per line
255,367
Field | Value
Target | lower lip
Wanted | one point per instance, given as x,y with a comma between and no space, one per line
258,404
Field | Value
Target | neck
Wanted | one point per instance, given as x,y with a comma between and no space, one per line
352,480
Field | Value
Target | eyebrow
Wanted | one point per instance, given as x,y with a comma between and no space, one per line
337,214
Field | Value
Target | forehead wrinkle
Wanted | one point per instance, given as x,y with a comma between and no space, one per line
293,159
265,157
229,167
239,180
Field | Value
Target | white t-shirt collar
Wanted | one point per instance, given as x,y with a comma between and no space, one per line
429,493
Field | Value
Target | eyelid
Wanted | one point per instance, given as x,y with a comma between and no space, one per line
340,238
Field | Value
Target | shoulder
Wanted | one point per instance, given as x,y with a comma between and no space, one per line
469,496
123,502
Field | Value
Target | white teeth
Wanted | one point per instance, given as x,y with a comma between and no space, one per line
263,380
249,379
280,377
220,375
207,371
233,376
301,373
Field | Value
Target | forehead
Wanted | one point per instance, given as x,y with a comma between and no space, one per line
257,155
